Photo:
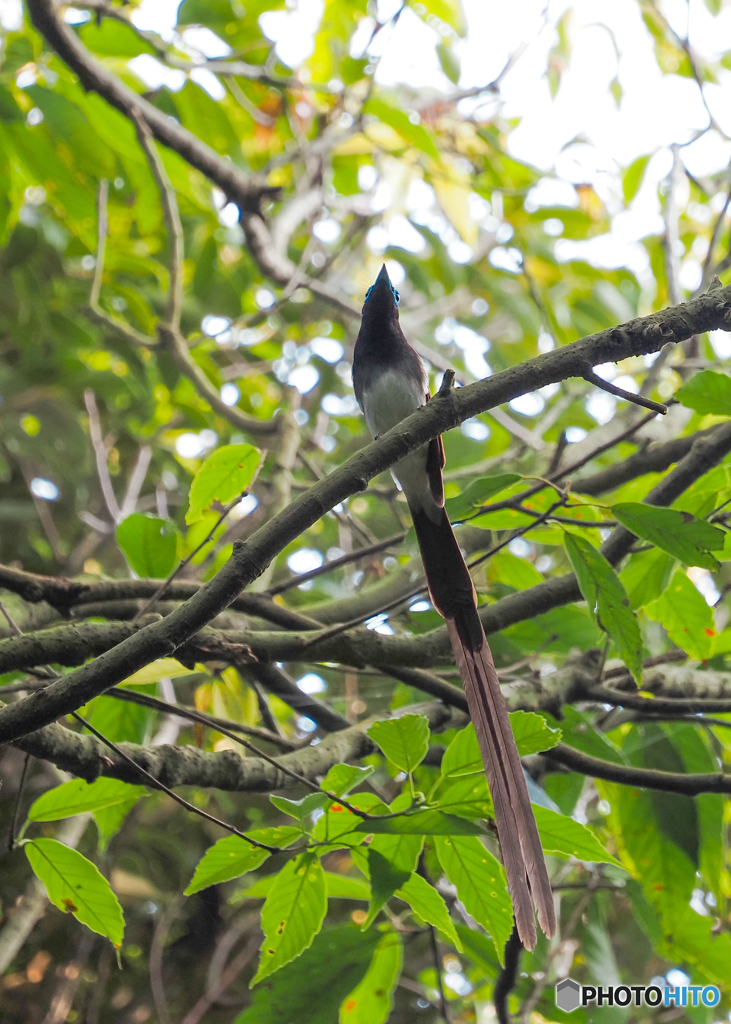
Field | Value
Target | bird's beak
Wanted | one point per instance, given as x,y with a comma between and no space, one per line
382,284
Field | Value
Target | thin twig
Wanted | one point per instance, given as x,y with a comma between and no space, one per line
171,214
627,396
136,480
100,455
115,323
16,805
148,605
335,563
156,784
507,978
438,968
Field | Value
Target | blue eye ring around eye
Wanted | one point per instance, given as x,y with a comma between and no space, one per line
396,296
367,294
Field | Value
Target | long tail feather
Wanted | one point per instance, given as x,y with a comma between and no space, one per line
453,596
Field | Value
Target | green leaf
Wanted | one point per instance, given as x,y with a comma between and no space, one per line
607,600
686,616
77,887
468,796
150,545
386,877
293,913
568,838
480,883
78,796
371,1001
312,988
429,905
449,62
299,809
415,134
109,820
343,777
532,732
224,475
421,823
9,110
336,826
678,533
346,887
404,740
646,575
477,493
633,176
707,392
233,856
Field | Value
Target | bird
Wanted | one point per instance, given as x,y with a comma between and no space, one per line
391,383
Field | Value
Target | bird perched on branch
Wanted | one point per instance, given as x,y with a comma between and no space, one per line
390,384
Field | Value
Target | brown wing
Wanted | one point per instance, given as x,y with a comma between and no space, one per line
435,461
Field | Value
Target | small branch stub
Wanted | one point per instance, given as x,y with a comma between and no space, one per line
627,396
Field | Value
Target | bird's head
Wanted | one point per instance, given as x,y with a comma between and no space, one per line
382,299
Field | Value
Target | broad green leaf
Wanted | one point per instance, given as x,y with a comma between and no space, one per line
448,11
607,600
429,904
386,877
344,887
343,777
299,809
678,533
645,576
633,176
686,616
532,732
468,796
163,668
480,883
395,857
150,545
404,740
347,887
421,823
707,392
337,825
371,1001
233,856
109,820
518,573
224,475
293,913
449,62
311,989
568,838
77,887
477,493
414,134
78,796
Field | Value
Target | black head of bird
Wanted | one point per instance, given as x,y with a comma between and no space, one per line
381,300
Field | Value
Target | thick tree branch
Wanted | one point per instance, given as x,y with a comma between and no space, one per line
88,758
248,561
645,778
247,191
655,458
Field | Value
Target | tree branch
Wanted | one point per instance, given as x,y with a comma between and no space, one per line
645,778
88,758
248,561
247,191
